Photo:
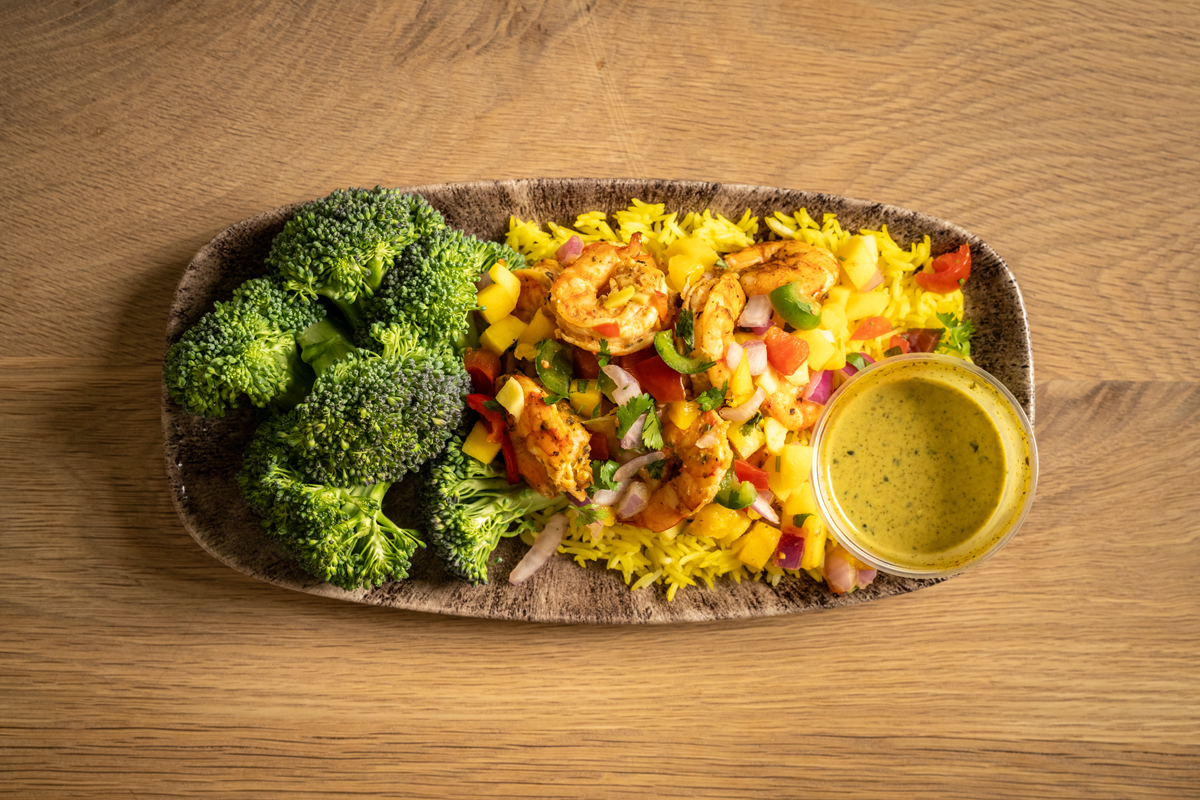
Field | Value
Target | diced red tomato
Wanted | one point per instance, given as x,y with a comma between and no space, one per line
586,364
510,460
871,327
786,353
630,360
745,471
950,271
599,446
663,383
608,329
898,341
483,366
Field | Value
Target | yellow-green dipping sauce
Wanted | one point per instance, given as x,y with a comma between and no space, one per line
915,464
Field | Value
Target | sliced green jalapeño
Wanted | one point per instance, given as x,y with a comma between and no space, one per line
670,356
735,494
801,312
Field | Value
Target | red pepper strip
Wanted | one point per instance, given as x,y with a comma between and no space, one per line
483,366
497,432
599,447
745,471
608,329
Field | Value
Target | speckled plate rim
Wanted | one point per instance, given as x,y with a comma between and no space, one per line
202,456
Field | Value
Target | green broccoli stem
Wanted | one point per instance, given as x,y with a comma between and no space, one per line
377,492
323,344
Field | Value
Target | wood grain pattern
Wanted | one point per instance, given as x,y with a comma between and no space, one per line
1062,133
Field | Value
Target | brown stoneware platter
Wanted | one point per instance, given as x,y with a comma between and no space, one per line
203,455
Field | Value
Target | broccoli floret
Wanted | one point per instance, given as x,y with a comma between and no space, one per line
248,345
342,245
432,286
467,506
337,533
375,416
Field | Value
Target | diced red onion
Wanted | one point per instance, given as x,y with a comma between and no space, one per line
709,439
922,340
850,369
543,547
636,499
633,437
790,551
630,468
864,577
762,505
747,409
757,313
733,356
876,280
820,386
569,250
756,352
627,385
596,529
840,574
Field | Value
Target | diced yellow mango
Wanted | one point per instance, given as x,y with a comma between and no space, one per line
619,298
833,319
860,259
584,397
800,501
838,295
746,443
758,545
497,302
541,326
717,522
525,351
478,446
837,359
683,413
775,481
775,434
503,276
866,304
814,543
741,384
512,398
796,464
698,248
819,348
500,335
682,269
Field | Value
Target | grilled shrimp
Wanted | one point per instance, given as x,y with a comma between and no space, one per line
551,444
766,266
578,297
701,456
716,303
785,406
535,287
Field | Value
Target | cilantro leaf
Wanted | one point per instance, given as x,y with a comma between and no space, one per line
749,425
604,356
602,475
713,398
857,360
628,413
652,431
685,329
957,336
586,515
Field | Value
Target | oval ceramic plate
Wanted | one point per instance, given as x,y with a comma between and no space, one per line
203,456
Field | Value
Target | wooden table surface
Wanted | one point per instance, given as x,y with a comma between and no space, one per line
1064,134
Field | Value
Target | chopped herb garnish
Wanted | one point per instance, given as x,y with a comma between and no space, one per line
957,336
713,398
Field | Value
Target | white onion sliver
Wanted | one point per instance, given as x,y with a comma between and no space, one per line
746,410
630,468
876,280
543,547
627,385
756,352
757,312
709,439
608,497
633,437
733,356
637,498
763,506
